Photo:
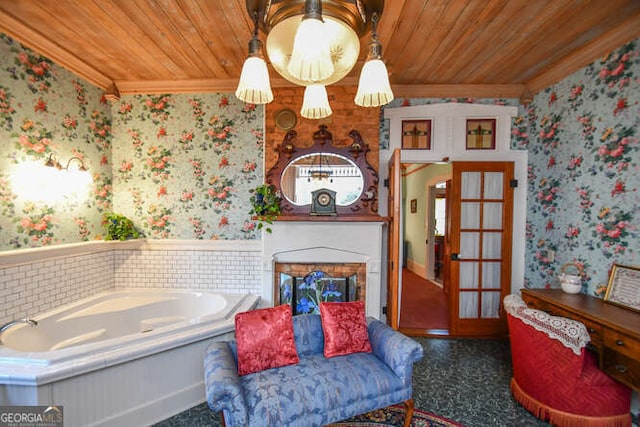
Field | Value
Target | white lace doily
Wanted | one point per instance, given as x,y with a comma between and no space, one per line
571,333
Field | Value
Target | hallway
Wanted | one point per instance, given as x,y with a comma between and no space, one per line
424,307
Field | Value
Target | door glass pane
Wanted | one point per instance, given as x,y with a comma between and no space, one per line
493,185
471,185
492,245
468,275
469,245
492,216
470,215
490,305
468,305
491,275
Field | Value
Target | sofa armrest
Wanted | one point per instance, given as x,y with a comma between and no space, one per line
396,350
223,388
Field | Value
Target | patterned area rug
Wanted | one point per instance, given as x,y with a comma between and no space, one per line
394,416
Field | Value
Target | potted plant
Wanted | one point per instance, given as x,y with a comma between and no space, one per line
265,205
119,227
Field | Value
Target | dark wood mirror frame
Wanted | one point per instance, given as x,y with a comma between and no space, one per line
288,151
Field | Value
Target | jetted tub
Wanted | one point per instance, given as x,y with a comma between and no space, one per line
131,356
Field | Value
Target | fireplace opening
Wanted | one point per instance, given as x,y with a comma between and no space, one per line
305,286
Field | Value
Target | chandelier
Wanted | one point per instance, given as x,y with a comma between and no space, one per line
315,43
320,171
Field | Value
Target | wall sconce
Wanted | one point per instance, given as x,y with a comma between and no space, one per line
54,163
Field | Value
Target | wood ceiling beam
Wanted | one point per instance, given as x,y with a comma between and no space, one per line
39,43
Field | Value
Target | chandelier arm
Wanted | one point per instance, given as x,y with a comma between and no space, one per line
375,47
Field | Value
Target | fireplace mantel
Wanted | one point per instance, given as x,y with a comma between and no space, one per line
327,242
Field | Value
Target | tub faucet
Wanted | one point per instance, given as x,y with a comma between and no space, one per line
6,326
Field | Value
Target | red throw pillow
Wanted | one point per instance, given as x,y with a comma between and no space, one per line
345,328
265,339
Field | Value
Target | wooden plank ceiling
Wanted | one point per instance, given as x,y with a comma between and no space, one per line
449,48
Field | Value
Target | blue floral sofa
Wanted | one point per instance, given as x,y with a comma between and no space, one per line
317,390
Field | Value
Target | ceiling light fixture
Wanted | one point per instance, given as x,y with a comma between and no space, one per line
315,43
254,87
315,103
374,89
311,56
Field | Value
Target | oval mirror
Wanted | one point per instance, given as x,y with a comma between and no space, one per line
321,170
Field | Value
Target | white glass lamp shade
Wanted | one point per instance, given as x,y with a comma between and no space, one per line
315,104
344,47
311,58
374,89
254,86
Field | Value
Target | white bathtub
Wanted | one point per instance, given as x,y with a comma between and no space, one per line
127,357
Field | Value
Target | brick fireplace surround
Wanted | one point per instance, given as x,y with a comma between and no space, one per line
335,271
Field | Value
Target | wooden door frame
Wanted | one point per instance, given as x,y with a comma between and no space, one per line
394,266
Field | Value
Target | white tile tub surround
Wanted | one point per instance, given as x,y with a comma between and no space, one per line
135,379
36,280
223,266
33,281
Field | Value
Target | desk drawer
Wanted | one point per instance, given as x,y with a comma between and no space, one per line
622,343
623,368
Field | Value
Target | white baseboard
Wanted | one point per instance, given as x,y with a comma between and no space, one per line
419,269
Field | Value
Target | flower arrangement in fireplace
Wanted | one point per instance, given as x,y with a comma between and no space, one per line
316,287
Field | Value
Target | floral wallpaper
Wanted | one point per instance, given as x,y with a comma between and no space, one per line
582,138
47,111
183,165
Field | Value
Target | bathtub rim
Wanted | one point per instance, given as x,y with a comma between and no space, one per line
41,370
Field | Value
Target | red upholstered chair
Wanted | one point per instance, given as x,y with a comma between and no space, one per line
555,377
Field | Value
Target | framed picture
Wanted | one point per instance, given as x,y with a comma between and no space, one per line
414,205
416,134
624,287
481,134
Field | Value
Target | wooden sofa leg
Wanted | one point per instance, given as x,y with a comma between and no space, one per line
408,406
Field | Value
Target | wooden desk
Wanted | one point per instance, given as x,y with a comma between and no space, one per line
614,330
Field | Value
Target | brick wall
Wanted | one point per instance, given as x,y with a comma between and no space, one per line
346,116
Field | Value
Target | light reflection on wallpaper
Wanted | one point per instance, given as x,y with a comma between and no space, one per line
46,111
183,165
